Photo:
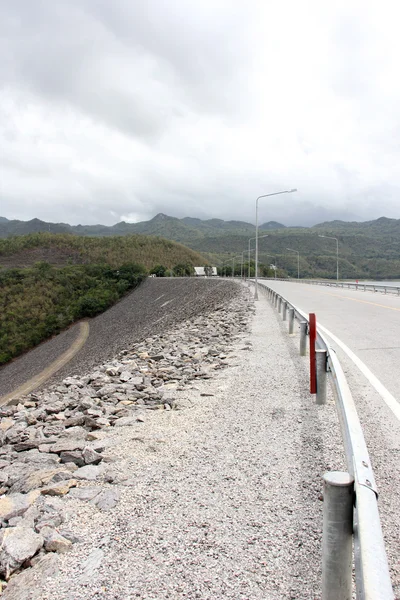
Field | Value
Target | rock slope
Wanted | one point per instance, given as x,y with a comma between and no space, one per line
54,444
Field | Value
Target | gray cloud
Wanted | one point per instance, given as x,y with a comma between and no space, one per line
112,110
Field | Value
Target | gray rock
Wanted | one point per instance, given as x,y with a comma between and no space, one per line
59,489
17,544
15,505
65,445
56,407
74,422
89,472
107,499
74,539
86,493
125,421
53,541
136,381
90,565
24,586
39,458
107,390
95,412
74,432
72,381
74,456
28,445
93,423
48,520
91,457
125,376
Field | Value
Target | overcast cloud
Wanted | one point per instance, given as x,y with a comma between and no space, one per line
117,110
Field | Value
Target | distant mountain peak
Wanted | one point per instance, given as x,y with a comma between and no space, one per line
272,225
161,217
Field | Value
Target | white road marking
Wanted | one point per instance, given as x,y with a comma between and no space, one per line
390,400
165,303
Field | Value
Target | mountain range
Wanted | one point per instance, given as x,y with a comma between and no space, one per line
180,230
366,249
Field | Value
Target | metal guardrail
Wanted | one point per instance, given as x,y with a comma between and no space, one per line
371,566
364,287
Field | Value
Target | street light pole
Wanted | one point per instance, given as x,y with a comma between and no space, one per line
250,240
256,265
329,237
298,261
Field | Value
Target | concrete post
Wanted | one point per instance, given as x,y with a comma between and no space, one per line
337,536
303,338
320,359
291,320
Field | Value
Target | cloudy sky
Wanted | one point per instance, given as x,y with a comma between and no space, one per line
116,110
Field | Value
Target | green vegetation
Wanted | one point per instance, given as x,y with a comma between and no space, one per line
366,250
62,249
159,271
41,301
48,281
183,270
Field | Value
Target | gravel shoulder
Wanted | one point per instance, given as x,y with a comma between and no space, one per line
220,498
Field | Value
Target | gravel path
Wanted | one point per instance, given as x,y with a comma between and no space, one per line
154,307
221,498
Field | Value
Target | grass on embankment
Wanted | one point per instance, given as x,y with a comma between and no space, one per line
48,281
63,249
38,302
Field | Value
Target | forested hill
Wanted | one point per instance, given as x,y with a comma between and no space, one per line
48,281
66,249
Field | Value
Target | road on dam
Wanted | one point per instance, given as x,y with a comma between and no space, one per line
367,322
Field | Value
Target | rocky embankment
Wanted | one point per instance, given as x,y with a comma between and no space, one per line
154,307
54,444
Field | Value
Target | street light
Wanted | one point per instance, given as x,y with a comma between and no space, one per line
298,261
250,240
256,265
329,237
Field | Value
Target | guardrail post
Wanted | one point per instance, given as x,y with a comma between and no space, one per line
276,300
320,359
291,320
303,338
279,304
284,309
337,536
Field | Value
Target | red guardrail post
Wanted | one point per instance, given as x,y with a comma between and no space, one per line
313,337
